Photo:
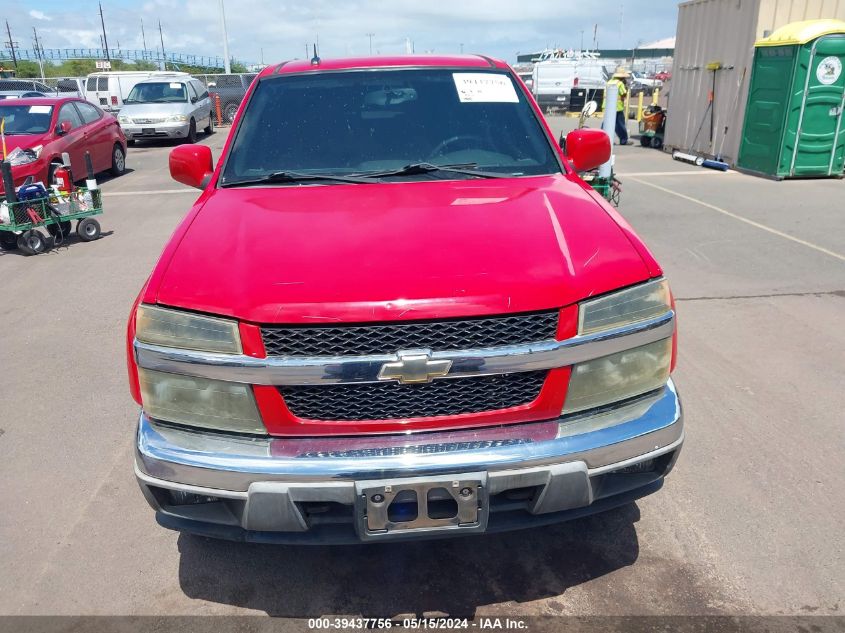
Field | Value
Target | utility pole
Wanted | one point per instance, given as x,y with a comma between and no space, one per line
227,64
370,35
595,37
163,54
105,39
38,52
11,44
143,38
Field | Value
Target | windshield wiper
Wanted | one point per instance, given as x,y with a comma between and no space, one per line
294,176
414,169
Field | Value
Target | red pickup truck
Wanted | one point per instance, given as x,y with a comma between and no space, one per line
396,311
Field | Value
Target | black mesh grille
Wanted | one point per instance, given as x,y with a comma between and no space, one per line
357,340
390,400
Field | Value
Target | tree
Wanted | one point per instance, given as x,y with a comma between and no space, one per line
29,69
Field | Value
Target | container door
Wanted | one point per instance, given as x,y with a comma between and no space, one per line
766,113
821,138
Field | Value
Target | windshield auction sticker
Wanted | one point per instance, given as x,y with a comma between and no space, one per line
484,88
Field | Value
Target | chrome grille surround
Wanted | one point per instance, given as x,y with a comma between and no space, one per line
327,370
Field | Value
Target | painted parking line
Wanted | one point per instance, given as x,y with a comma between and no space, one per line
701,172
758,225
196,192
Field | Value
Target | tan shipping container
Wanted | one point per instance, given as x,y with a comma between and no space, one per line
723,31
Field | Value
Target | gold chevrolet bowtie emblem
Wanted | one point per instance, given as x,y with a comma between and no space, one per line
414,366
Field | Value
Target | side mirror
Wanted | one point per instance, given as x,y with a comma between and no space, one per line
64,128
191,165
587,148
194,99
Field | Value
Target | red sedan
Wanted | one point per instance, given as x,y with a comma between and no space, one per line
39,130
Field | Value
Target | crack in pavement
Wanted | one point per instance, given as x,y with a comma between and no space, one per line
774,295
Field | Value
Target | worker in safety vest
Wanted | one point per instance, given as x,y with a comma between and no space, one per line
620,79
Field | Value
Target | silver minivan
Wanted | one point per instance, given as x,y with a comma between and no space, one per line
166,107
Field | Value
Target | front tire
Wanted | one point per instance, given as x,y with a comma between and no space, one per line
118,160
192,132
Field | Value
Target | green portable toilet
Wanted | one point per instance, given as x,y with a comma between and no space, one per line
794,125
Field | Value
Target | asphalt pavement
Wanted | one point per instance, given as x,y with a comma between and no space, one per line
749,522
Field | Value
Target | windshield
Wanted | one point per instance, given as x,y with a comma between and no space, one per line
158,92
26,119
377,121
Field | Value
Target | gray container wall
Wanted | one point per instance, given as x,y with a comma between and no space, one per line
709,31
724,31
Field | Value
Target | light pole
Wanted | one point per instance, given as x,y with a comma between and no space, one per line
227,65
370,35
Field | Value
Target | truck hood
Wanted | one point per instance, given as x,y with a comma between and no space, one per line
397,251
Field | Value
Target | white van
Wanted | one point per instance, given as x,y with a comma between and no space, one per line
108,89
554,79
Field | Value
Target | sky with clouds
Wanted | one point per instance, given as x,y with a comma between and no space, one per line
498,28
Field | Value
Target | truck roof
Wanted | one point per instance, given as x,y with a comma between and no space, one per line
394,61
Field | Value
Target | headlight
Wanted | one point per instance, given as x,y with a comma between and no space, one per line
20,156
609,379
173,328
124,119
212,404
176,118
625,307
623,375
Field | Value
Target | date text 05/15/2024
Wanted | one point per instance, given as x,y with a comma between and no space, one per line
345,624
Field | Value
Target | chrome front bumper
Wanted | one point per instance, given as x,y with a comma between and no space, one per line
282,489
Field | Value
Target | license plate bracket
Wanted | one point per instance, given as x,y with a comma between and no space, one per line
414,506
148,131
